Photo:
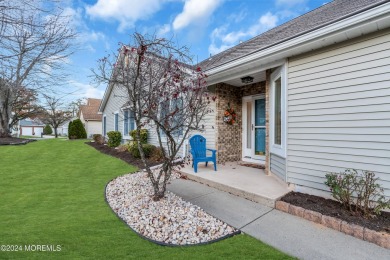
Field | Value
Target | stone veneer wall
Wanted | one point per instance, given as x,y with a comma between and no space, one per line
229,137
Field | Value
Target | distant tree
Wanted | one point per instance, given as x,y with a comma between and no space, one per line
54,114
163,92
74,106
35,42
47,130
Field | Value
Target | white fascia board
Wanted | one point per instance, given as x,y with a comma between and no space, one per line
338,29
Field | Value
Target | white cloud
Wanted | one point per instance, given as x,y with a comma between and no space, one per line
85,35
163,30
238,17
85,90
195,11
290,3
227,40
126,12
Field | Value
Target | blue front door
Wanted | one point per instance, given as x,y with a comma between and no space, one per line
259,128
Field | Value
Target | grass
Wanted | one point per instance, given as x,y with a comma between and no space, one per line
52,193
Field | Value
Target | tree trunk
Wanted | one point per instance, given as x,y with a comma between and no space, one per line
5,109
55,132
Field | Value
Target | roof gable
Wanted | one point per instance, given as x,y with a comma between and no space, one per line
90,111
317,18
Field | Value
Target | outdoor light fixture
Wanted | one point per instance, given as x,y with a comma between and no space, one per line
247,79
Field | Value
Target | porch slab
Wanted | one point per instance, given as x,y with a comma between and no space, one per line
247,182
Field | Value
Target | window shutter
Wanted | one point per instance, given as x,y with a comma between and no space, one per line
126,122
132,121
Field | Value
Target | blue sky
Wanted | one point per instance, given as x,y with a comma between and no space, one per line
206,26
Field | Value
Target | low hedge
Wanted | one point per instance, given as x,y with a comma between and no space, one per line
114,138
148,150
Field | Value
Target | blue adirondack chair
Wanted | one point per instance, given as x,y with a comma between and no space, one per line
199,152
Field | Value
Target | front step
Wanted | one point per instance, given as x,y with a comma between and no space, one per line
252,184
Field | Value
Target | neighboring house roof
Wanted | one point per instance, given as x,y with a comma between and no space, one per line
30,122
304,24
90,110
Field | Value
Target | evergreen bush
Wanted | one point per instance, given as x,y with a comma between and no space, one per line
114,138
47,130
71,134
77,130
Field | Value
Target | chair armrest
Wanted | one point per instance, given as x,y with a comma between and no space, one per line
212,150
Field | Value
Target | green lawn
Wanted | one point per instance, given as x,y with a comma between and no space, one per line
52,193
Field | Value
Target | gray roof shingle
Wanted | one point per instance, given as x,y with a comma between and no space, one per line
322,16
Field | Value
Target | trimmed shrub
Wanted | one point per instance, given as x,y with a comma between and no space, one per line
78,130
114,138
148,150
143,135
47,130
98,138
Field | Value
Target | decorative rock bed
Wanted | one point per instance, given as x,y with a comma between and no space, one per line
170,221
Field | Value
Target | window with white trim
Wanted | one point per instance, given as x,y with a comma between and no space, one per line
277,112
128,122
116,121
170,106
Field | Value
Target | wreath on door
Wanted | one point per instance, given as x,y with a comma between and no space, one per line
229,116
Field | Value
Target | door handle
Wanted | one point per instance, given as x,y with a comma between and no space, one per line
252,127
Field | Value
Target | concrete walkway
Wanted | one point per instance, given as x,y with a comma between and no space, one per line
290,234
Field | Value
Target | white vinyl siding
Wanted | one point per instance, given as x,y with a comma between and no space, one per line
93,127
278,166
115,102
210,127
339,111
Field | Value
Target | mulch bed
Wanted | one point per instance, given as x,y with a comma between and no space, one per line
14,141
125,156
334,209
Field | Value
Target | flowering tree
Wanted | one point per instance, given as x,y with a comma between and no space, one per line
165,94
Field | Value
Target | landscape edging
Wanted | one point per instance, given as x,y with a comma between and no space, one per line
379,238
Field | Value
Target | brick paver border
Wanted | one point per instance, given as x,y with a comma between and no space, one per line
380,238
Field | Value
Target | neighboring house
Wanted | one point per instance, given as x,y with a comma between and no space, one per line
63,129
31,127
311,96
90,118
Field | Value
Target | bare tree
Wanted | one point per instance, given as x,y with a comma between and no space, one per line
164,93
35,43
74,106
55,113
